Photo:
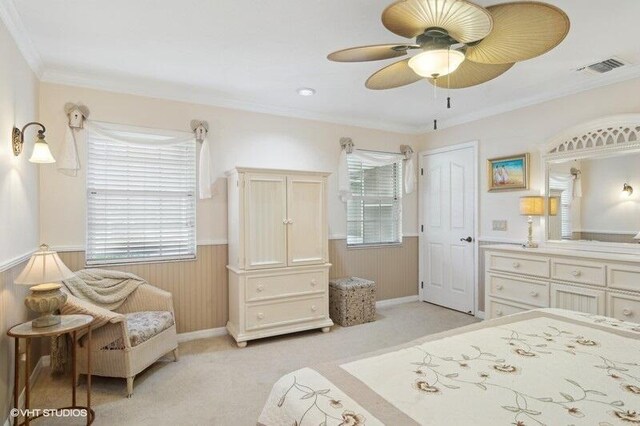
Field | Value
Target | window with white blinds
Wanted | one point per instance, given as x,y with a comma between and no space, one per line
374,213
141,203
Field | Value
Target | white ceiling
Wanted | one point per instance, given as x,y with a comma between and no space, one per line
255,54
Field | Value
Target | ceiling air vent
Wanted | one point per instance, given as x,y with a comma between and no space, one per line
604,66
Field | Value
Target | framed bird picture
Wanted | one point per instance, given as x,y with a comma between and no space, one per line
508,173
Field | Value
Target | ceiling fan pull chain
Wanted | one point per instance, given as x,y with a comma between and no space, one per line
449,79
448,102
435,124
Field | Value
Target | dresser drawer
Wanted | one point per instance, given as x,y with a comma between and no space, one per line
286,312
526,265
624,307
264,287
580,272
623,277
519,290
579,299
499,308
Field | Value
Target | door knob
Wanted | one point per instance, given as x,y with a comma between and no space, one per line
468,239
627,312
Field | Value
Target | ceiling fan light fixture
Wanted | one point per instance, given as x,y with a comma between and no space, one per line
436,63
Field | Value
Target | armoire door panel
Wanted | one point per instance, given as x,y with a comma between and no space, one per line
306,229
266,221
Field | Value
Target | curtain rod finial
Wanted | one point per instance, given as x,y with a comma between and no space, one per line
200,128
347,144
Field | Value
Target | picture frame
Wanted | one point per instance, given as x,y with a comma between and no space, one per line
509,173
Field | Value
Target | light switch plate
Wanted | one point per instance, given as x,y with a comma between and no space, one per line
499,225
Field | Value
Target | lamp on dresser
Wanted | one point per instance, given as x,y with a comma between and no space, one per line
43,272
531,206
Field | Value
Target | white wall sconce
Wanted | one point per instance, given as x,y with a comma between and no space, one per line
627,189
41,152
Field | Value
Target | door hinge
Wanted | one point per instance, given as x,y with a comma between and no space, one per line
421,172
421,284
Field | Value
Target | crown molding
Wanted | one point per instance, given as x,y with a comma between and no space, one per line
596,82
184,93
9,15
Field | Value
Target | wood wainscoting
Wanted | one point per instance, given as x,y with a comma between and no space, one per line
199,287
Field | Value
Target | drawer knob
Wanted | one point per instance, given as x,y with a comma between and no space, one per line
576,273
314,308
516,264
260,288
499,313
260,315
534,294
627,312
313,282
499,287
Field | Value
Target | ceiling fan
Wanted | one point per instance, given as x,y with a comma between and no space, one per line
467,43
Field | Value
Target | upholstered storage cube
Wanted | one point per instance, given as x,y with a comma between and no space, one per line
352,301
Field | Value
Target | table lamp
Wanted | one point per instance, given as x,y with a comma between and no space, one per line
44,271
531,206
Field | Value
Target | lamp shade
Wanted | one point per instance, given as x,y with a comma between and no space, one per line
436,63
41,153
44,267
554,205
637,237
532,206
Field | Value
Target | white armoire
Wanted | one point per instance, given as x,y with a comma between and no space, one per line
278,252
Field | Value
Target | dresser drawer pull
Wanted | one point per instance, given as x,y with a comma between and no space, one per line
313,282
576,273
627,312
516,264
534,294
314,308
259,288
260,315
499,287
499,313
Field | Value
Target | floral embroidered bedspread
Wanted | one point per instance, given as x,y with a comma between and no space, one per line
542,367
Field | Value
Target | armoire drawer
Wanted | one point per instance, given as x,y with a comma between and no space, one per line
533,265
284,285
499,308
578,271
623,277
624,307
285,312
519,290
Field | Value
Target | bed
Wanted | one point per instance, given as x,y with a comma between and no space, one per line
542,367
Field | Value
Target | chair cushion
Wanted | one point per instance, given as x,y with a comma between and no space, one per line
142,326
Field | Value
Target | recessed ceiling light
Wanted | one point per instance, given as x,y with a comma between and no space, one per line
306,91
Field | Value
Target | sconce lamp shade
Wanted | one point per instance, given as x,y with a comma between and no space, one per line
41,153
44,267
554,206
532,206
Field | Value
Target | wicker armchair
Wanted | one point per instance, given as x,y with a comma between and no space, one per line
116,348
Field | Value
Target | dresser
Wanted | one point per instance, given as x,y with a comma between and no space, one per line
518,279
278,253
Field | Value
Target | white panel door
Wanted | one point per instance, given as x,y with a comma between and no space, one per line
265,221
306,233
447,252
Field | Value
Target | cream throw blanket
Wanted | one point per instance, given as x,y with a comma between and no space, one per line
104,288
107,289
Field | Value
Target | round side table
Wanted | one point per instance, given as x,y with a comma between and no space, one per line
69,324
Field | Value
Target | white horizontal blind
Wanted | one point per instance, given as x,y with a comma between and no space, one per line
141,203
374,214
560,187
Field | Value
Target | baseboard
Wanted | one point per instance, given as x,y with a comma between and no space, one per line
43,362
480,314
201,334
396,301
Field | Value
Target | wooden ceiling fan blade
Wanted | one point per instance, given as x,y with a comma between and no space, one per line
395,75
371,53
463,20
470,74
521,31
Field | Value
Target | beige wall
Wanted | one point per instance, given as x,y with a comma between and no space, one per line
238,138
18,198
527,130
199,287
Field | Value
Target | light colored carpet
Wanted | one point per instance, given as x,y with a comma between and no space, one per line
215,383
